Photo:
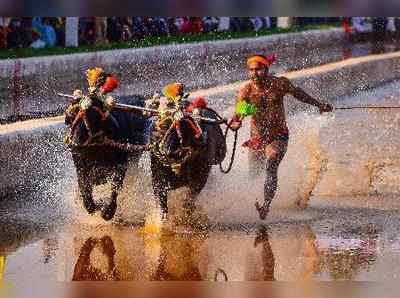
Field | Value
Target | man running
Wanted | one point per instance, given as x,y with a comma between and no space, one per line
262,98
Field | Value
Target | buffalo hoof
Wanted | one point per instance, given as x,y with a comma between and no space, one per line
108,212
90,206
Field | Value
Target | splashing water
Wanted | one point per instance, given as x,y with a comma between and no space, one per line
343,154
230,198
353,153
362,147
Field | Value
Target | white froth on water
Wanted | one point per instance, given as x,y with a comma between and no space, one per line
230,198
362,147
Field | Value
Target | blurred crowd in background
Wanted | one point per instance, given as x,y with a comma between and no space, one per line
40,32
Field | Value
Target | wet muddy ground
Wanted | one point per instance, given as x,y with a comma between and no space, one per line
324,242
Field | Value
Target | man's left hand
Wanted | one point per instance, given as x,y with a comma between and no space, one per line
325,107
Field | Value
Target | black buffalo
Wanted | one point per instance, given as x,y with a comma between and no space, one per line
194,157
101,146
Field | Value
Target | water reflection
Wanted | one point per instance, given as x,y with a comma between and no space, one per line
183,243
96,261
2,267
346,258
49,249
267,256
295,251
274,252
270,253
291,252
180,256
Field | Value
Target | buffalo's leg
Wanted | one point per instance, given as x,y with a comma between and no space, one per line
86,190
200,178
85,182
160,185
109,210
161,193
196,186
162,196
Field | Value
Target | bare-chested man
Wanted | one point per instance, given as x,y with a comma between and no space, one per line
262,98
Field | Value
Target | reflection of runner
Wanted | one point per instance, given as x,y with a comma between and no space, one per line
2,266
86,271
267,255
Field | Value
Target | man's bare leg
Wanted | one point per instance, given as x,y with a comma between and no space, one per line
274,154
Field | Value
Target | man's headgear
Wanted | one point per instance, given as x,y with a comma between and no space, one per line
261,59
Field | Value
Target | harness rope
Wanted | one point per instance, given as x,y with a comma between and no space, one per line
228,127
221,120
229,168
130,148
